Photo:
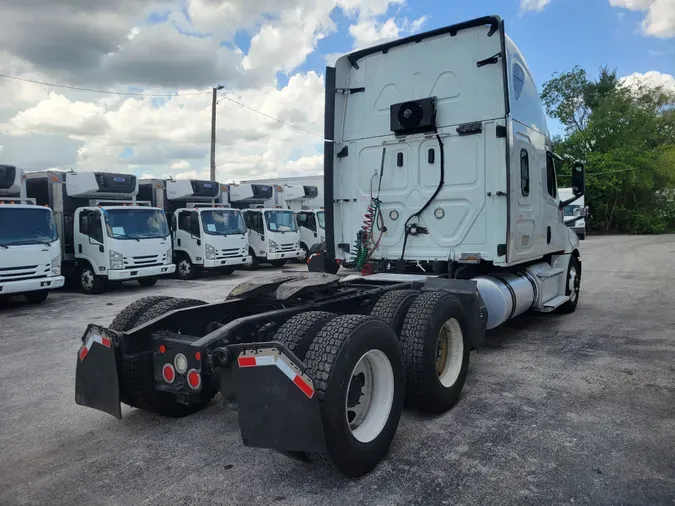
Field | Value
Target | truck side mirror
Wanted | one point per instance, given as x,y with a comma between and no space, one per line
578,180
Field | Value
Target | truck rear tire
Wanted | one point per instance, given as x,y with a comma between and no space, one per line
297,334
278,263
393,306
356,364
89,282
436,351
36,297
137,382
127,318
572,287
151,281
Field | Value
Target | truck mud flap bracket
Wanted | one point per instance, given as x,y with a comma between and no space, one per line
96,376
277,403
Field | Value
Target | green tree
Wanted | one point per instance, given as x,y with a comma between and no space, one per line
625,134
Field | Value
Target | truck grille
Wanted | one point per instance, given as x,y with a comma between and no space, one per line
23,272
144,261
287,247
229,253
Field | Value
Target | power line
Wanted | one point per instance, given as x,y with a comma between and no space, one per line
108,92
273,118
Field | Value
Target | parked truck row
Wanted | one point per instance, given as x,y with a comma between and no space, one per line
99,227
440,180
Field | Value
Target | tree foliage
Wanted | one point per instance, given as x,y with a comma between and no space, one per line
625,134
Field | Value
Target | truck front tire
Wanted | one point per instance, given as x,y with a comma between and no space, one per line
278,263
147,282
356,364
436,351
572,287
89,282
185,269
36,297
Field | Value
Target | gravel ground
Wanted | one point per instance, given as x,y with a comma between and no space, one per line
556,410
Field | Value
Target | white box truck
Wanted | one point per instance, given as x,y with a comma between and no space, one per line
206,234
30,251
574,214
312,227
273,235
106,236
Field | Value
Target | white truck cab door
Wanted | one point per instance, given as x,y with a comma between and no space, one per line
308,234
89,233
555,231
256,227
188,234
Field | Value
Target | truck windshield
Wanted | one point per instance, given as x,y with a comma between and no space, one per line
135,223
281,221
321,218
223,222
19,225
570,210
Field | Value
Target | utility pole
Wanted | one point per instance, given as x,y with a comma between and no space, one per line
213,131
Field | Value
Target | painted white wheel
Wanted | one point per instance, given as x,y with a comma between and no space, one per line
248,263
370,395
573,284
449,352
303,255
184,267
87,279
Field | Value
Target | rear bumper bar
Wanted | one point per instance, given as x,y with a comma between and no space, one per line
277,404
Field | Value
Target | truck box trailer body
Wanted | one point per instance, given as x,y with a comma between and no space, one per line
30,251
319,365
105,234
206,234
313,198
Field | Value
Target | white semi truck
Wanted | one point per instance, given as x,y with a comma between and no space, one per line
30,251
207,234
273,235
574,214
463,225
106,234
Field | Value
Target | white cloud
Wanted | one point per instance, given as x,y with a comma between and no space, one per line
660,18
651,79
109,44
368,32
533,5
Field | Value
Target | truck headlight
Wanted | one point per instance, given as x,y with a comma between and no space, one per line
116,260
56,265
169,256
210,252
273,246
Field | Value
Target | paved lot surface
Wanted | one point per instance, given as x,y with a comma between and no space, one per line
576,409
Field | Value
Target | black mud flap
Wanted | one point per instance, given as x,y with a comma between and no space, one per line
278,406
96,377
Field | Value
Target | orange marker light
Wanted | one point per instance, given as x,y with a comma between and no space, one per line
162,348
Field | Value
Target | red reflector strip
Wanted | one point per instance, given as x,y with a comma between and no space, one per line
283,364
247,362
306,389
104,341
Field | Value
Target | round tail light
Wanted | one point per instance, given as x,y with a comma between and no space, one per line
168,373
194,379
